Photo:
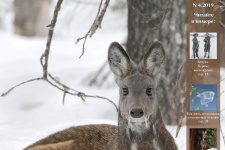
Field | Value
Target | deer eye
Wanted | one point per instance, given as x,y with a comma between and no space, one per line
125,91
149,91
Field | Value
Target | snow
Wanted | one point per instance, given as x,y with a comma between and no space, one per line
222,107
35,110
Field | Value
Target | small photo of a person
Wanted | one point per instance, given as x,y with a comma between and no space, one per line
207,45
195,46
203,45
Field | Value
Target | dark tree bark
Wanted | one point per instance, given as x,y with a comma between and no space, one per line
172,34
192,136
32,17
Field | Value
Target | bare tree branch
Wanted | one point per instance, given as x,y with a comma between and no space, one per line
176,86
222,93
222,24
86,35
96,24
49,40
222,134
64,96
182,115
11,89
55,83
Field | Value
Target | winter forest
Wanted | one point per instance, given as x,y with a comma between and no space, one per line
54,72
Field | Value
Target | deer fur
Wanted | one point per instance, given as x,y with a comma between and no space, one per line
143,131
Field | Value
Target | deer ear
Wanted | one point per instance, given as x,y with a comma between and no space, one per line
154,59
118,59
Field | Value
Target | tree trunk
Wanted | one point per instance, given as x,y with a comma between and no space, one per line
172,34
32,17
192,137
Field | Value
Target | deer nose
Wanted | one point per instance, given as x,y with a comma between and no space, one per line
137,113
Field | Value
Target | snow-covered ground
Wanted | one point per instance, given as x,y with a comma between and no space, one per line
35,110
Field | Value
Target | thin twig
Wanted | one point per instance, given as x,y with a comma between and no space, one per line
10,90
98,20
222,93
61,84
49,40
86,35
82,95
222,134
222,24
182,116
176,86
96,24
64,96
222,110
79,94
104,99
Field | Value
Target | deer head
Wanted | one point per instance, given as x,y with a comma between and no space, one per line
137,82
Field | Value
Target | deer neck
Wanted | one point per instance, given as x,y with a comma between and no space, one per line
139,137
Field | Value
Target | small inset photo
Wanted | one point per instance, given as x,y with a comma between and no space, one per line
203,97
203,139
203,45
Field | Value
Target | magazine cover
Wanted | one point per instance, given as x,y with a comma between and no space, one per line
112,75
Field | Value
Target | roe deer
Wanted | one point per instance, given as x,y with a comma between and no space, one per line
140,125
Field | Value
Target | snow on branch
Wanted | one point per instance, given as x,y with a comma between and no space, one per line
44,63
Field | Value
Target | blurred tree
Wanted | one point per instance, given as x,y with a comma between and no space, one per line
172,34
32,17
5,10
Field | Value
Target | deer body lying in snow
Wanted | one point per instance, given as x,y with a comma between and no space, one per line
140,125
